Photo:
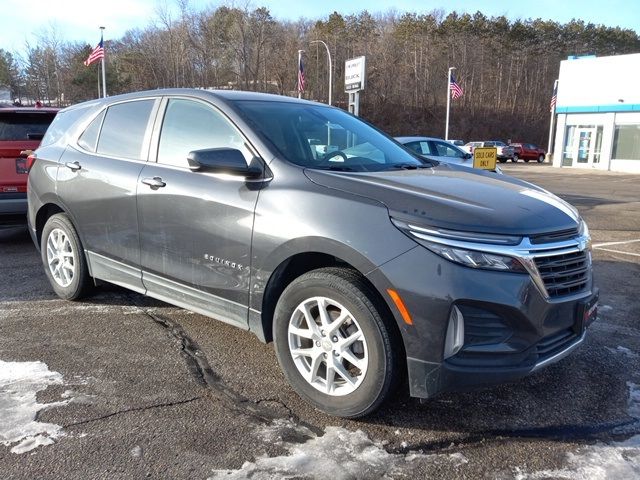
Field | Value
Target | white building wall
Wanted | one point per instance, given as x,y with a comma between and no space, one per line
598,91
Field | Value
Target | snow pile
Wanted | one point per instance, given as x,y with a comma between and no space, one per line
616,461
339,454
19,384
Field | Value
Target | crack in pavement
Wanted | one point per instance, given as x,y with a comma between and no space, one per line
590,433
134,409
201,370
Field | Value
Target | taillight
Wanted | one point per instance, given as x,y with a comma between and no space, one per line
31,159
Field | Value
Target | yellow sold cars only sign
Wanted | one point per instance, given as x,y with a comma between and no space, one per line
485,158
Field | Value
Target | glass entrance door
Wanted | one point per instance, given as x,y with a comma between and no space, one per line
584,143
582,146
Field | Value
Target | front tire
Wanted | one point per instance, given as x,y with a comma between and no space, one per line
63,258
332,342
541,159
514,159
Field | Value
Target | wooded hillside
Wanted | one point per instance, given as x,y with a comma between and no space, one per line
506,68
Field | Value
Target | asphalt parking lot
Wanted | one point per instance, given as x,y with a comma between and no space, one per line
128,387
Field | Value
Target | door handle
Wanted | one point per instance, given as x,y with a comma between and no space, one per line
73,166
155,182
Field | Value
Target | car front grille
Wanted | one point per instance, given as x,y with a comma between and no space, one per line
564,274
559,236
552,344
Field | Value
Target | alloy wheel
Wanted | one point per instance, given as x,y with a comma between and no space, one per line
328,346
60,257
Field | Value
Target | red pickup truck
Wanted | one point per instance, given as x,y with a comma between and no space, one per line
21,129
527,151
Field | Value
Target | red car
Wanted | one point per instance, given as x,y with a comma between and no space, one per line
527,151
21,129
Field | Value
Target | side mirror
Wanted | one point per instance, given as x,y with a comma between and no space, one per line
467,156
222,160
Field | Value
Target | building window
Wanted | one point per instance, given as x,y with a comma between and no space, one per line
626,142
567,151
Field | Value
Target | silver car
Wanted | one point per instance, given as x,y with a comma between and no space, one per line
440,150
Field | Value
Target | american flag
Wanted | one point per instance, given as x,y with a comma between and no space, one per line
96,54
456,90
300,76
554,98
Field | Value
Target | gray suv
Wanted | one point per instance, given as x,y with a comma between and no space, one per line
362,262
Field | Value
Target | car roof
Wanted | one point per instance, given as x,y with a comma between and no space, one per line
224,95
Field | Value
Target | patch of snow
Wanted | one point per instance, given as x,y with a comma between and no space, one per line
620,461
623,350
19,384
339,454
614,461
605,308
136,452
634,400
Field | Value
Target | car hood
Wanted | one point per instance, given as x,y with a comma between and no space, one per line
458,198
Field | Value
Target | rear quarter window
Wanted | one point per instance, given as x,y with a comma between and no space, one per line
61,124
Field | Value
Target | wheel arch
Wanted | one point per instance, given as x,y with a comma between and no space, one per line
299,263
45,212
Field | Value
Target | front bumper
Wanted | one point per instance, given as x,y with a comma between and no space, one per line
511,329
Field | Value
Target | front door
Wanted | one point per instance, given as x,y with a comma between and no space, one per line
584,144
196,227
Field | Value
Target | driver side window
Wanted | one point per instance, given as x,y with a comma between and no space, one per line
191,125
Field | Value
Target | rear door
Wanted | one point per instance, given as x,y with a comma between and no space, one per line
196,227
97,181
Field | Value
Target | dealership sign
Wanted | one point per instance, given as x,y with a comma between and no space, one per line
354,69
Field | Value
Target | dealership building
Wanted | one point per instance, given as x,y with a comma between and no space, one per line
598,114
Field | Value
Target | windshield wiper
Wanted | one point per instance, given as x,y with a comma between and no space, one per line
336,168
411,166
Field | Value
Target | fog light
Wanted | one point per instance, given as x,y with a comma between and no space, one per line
455,333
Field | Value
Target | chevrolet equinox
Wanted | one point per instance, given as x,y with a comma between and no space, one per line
361,261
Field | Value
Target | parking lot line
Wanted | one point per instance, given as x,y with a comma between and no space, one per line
608,244
618,251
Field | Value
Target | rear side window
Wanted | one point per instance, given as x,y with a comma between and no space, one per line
24,125
89,138
61,124
124,128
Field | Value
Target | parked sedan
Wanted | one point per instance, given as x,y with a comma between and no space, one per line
440,150
527,151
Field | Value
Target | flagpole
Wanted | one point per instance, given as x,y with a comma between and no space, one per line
104,76
298,76
552,124
446,130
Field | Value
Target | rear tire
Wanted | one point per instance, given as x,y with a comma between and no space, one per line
63,258
541,158
502,160
514,159
332,342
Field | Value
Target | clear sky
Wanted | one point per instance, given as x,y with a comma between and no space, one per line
22,21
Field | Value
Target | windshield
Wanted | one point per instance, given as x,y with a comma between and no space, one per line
327,138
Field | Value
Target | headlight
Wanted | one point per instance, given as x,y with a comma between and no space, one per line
473,259
446,244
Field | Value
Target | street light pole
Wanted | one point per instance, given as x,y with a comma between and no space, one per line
330,66
446,130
